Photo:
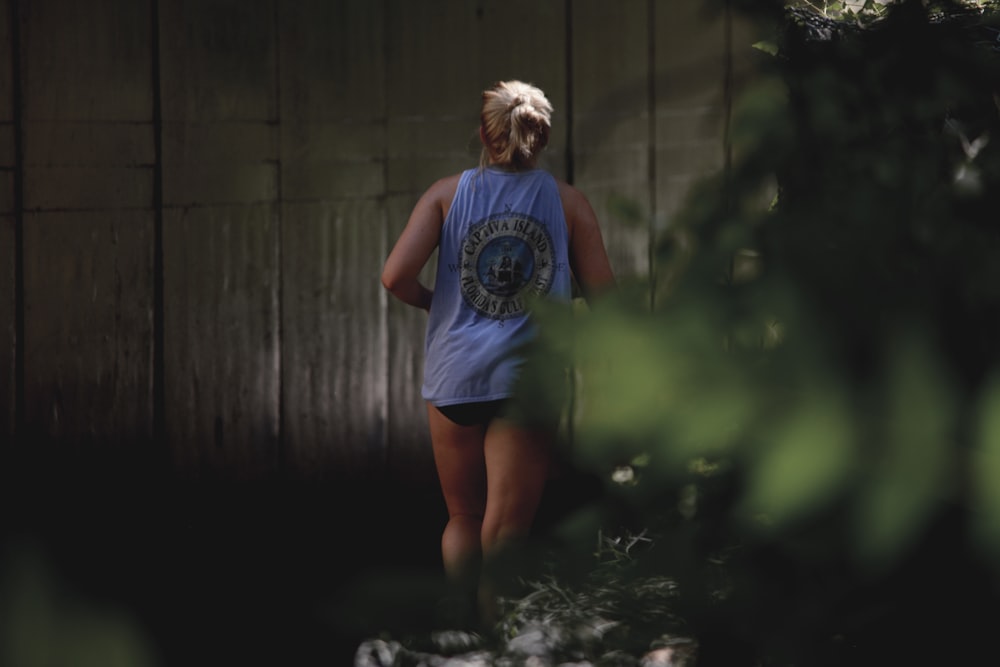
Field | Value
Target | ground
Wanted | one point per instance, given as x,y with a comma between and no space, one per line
211,572
208,573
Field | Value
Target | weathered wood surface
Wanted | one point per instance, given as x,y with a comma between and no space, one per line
87,244
8,241
261,195
88,325
221,235
8,316
334,326
611,132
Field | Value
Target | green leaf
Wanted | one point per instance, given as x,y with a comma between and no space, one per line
807,460
985,493
913,474
766,46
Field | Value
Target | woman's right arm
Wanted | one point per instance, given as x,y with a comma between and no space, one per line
587,255
416,244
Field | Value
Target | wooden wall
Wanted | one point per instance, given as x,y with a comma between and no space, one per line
197,197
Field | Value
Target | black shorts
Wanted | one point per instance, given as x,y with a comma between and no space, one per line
472,414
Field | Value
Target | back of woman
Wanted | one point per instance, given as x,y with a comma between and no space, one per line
504,243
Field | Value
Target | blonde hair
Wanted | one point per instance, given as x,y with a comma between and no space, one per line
515,119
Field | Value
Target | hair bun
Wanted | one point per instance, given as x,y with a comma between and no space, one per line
514,121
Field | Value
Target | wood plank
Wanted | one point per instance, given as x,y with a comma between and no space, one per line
221,162
86,60
611,124
469,46
691,106
429,44
690,111
219,107
221,237
87,110
88,325
332,61
8,332
221,338
87,105
410,455
8,294
6,72
522,39
86,187
332,160
424,149
217,60
333,347
333,147
333,136
7,204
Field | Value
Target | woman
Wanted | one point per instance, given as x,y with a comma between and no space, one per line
506,233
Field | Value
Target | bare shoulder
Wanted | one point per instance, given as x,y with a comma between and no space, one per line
446,184
570,195
443,189
576,206
441,193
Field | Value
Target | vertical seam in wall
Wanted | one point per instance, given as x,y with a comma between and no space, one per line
17,111
279,219
651,148
386,408
569,91
159,355
568,29
727,100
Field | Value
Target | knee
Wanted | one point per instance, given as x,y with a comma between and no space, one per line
465,517
496,538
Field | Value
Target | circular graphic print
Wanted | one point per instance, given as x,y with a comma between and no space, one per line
505,265
504,259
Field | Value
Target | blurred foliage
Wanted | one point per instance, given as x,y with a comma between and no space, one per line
807,419
44,622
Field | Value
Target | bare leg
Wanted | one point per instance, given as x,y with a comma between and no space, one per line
517,464
492,478
461,467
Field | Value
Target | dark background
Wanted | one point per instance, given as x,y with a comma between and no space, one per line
210,424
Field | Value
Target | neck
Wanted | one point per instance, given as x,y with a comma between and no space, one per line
509,167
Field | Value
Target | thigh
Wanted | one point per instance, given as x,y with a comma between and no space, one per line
517,462
460,462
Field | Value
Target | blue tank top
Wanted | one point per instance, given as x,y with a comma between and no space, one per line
503,243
